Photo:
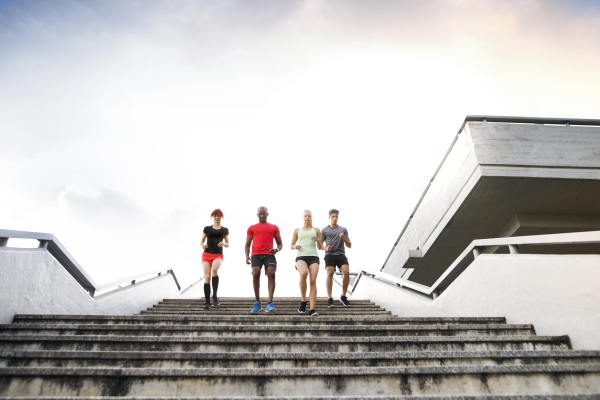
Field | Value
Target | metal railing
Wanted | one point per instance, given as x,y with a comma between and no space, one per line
489,118
473,251
51,243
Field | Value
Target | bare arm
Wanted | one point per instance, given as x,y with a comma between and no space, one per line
346,240
295,240
204,246
317,239
248,243
225,242
279,245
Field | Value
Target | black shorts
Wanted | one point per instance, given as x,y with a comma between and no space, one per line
310,260
336,260
268,260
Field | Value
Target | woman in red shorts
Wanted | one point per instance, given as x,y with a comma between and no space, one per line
216,237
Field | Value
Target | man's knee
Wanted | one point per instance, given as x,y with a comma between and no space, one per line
345,270
256,271
271,272
330,272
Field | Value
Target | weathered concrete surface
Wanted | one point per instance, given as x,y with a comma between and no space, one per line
557,293
259,355
131,359
33,282
582,379
494,172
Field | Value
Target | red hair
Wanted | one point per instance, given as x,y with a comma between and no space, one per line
217,213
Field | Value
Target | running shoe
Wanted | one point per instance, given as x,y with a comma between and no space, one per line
313,313
270,307
302,308
257,306
207,306
216,301
330,303
345,301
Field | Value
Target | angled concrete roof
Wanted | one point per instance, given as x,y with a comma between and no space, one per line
503,176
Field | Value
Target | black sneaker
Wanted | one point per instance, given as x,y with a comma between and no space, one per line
207,306
313,313
345,301
302,308
216,301
330,303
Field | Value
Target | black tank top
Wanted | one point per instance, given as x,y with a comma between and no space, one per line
213,238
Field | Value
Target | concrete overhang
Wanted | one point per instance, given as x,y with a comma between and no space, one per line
503,176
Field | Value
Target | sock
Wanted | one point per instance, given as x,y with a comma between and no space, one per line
215,283
207,292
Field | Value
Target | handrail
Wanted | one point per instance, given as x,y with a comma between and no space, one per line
132,279
471,252
51,243
489,118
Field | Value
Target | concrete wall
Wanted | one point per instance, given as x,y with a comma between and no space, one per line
491,150
556,293
33,282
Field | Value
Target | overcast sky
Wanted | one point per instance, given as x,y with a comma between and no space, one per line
123,124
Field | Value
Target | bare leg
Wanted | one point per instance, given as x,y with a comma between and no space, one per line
346,271
329,280
215,267
206,268
314,271
256,282
302,268
270,272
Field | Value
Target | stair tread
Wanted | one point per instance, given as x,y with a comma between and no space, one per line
486,369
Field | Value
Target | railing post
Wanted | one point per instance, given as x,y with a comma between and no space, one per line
3,241
514,249
43,244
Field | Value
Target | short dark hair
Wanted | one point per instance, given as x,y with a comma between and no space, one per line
333,211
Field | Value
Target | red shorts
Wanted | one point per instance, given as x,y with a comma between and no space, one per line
209,258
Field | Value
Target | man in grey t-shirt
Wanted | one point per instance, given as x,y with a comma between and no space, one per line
335,238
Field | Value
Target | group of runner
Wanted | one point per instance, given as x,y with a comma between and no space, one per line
306,240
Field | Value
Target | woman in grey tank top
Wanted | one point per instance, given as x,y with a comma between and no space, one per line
306,240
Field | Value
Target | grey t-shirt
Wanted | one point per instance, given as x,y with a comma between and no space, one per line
332,237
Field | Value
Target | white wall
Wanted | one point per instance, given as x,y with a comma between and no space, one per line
557,293
33,282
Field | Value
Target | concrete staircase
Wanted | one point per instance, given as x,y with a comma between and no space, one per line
176,349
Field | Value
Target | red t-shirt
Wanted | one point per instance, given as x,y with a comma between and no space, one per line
262,237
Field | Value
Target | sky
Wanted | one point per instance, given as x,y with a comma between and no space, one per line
124,124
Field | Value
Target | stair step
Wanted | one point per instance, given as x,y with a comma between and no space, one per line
148,359
336,397
258,319
282,344
470,380
322,312
272,330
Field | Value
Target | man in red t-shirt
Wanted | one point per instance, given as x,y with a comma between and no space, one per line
261,237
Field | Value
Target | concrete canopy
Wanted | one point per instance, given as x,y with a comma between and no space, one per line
503,177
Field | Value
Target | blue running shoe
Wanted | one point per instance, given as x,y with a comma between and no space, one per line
270,307
257,306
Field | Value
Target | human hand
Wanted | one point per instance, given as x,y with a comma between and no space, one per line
248,260
298,247
342,236
273,251
220,244
204,246
328,248
314,239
